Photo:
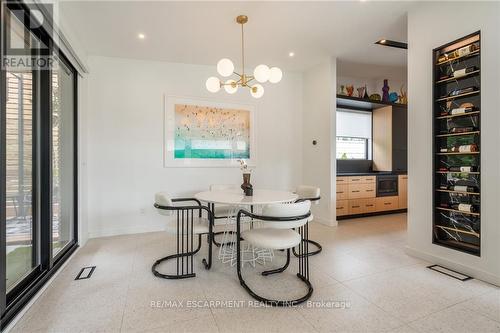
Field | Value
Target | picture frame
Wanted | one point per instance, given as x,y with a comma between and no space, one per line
212,140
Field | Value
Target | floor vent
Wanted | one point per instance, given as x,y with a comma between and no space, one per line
85,273
449,272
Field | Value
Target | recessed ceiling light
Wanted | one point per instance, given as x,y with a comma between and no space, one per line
392,43
141,36
291,54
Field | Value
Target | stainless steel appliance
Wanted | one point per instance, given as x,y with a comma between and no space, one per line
387,185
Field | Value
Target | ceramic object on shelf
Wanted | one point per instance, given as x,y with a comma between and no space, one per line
393,97
350,90
366,96
375,97
361,92
385,91
342,91
403,98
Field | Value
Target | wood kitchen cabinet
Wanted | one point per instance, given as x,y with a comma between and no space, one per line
403,191
356,195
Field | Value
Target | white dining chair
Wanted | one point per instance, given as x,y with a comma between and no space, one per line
311,193
186,221
284,227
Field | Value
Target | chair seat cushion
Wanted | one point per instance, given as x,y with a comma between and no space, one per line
200,226
275,239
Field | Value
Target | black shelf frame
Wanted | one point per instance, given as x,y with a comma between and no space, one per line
437,101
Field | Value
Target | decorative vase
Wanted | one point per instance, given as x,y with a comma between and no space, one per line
366,93
246,186
385,91
350,90
361,92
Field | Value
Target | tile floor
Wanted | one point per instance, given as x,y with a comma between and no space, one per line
376,287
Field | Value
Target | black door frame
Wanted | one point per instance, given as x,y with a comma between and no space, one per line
19,296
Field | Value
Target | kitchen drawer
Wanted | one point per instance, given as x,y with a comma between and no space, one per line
370,205
369,179
386,203
342,192
342,207
356,206
342,180
360,191
362,179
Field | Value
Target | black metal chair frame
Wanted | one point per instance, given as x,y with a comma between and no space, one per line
185,231
303,273
318,245
211,206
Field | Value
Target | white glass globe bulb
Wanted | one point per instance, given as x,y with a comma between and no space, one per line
257,90
213,84
261,73
275,75
225,67
231,87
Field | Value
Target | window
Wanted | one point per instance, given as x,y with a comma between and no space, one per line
354,135
38,211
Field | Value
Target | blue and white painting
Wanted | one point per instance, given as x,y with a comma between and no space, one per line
207,132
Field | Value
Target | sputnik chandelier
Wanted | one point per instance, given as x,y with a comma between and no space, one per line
225,68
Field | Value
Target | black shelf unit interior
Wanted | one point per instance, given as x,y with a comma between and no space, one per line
457,144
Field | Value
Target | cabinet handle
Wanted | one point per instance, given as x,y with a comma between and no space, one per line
340,192
355,180
340,207
354,191
354,206
369,190
387,203
369,205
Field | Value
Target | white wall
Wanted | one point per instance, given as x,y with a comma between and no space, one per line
429,28
373,76
125,137
319,163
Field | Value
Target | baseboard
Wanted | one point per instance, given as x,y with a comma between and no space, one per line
139,229
475,273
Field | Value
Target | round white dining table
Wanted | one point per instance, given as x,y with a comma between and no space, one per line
238,198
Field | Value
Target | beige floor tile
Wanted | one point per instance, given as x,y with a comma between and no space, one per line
199,325
487,304
261,320
338,309
415,291
456,319
363,263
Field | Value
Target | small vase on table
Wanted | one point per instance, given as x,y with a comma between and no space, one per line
246,186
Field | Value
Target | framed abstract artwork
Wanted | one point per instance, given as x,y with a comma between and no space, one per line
204,133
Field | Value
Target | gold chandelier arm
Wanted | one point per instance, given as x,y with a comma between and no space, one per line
242,52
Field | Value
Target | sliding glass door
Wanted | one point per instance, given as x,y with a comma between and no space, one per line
20,161
63,190
38,169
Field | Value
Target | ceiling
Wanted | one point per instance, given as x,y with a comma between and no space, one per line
204,32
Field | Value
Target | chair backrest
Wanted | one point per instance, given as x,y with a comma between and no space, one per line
223,187
163,199
286,210
308,192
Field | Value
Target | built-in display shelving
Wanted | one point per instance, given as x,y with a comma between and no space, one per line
457,143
